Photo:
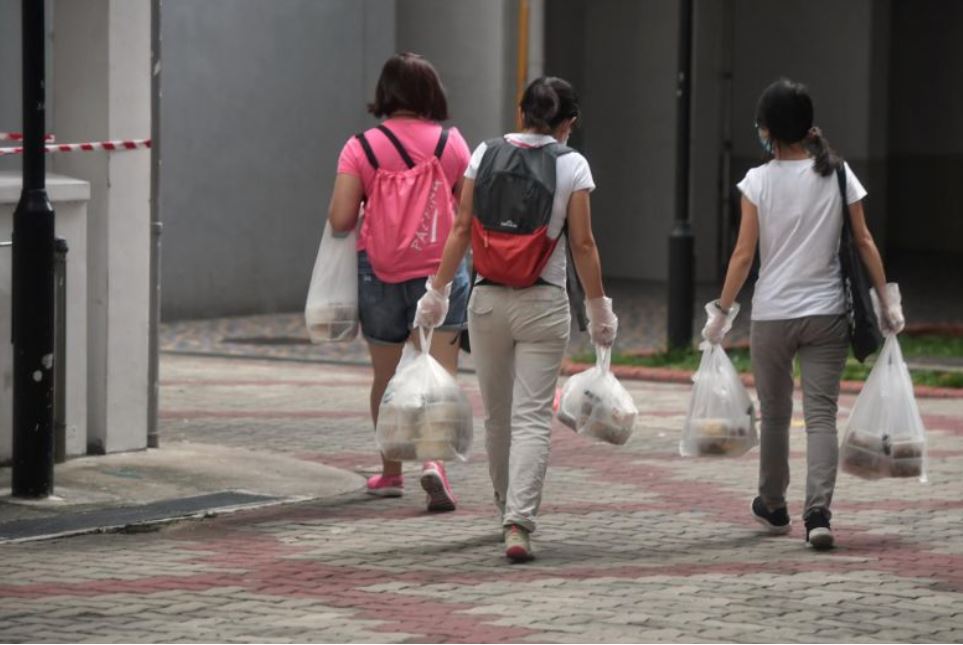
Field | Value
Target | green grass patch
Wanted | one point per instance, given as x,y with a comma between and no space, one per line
930,346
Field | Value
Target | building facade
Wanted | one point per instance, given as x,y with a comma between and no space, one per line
258,97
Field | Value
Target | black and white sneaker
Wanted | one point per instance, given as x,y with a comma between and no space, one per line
818,534
776,522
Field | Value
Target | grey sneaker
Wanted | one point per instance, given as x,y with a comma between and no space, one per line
518,546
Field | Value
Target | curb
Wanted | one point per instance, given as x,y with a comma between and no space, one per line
157,524
668,375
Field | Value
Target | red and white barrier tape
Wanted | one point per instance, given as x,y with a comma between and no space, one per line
17,136
110,146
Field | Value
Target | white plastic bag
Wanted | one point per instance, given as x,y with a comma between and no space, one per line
885,436
721,420
331,310
594,403
424,414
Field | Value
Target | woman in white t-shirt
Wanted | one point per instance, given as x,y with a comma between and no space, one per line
518,313
793,208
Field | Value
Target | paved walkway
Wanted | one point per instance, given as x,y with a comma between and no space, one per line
634,544
641,307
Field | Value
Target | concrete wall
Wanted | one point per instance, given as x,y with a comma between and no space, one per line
102,89
10,72
258,98
473,45
829,46
926,128
837,49
69,198
10,115
710,203
620,55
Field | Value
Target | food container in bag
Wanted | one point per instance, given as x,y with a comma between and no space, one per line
885,436
721,418
595,404
423,415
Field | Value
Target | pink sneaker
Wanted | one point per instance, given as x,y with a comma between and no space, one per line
435,482
386,485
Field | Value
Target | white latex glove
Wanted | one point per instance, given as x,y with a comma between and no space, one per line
603,324
889,312
718,322
432,307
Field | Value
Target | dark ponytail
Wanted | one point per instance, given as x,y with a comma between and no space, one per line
786,110
825,159
547,102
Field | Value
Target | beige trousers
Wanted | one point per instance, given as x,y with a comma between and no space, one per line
518,339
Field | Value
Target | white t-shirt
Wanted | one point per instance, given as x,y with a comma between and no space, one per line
800,221
572,173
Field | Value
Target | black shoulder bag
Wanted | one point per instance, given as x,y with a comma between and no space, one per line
864,334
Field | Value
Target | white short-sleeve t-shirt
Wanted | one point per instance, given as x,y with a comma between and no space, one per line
572,173
800,221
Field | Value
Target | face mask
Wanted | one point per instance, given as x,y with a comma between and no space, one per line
766,143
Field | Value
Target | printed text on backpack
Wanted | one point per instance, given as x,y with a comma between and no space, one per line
408,214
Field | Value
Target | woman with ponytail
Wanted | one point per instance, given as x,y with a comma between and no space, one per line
793,208
526,196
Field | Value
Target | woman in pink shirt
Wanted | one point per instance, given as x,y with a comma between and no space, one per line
408,172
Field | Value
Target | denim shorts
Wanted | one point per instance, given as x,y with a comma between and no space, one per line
387,310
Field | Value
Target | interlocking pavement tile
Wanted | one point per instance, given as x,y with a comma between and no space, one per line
634,543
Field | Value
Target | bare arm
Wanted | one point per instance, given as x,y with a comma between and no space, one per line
585,253
741,260
460,237
345,203
866,246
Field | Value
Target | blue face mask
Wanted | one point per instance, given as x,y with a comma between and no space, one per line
765,142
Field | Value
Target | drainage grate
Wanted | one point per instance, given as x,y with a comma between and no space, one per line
124,516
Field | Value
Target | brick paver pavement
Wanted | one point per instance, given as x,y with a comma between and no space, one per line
634,543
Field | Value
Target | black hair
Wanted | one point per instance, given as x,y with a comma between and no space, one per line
547,102
785,109
409,82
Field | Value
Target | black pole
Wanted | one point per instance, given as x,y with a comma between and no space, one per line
60,350
681,241
33,282
153,377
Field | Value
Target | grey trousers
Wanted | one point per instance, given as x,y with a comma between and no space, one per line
518,339
822,344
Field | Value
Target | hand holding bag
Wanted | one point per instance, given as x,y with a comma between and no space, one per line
594,403
331,310
864,333
424,414
885,436
721,420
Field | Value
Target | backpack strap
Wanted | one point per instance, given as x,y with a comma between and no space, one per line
557,149
368,152
397,144
442,140
841,180
573,285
